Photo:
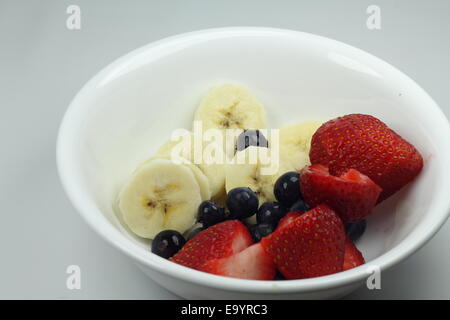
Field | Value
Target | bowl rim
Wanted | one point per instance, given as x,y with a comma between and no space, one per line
410,244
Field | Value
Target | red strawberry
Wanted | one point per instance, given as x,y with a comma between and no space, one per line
364,143
221,240
352,195
311,245
352,257
288,218
251,263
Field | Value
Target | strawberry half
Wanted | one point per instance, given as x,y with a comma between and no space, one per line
311,245
352,195
252,263
221,240
288,218
364,143
352,257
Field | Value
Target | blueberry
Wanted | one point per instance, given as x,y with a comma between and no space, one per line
287,188
251,138
194,232
259,231
270,212
210,213
356,229
301,206
242,203
167,243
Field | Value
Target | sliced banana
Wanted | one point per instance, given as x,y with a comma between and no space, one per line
202,180
214,172
257,170
230,107
160,195
295,142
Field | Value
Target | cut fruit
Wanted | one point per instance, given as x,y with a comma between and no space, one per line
160,195
311,245
365,143
288,218
352,257
219,241
230,107
252,263
250,170
295,142
202,180
214,172
352,195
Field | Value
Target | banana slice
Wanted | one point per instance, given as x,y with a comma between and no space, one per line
230,107
256,170
214,172
295,142
216,177
202,180
160,195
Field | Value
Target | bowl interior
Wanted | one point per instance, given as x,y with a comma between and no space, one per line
128,110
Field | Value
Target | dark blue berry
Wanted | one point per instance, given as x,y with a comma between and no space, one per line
301,206
287,188
356,229
210,213
259,231
270,212
167,243
242,203
194,232
251,138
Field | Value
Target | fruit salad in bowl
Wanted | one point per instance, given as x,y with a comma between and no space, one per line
293,204
255,163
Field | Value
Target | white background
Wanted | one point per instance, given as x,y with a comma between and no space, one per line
43,65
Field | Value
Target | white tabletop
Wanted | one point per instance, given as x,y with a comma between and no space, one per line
43,65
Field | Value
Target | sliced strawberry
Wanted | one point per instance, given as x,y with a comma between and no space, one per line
288,218
352,195
352,257
251,263
364,143
221,240
311,245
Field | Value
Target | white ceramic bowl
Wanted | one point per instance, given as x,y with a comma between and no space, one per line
126,111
